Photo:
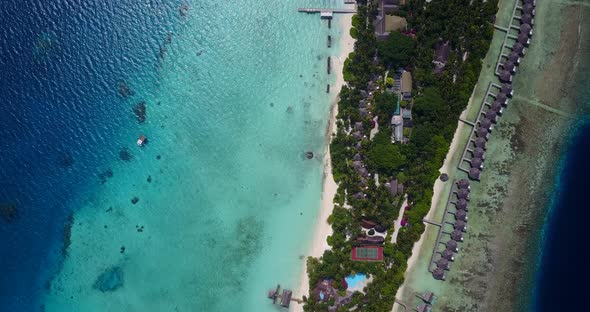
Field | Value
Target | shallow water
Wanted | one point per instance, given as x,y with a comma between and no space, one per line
234,94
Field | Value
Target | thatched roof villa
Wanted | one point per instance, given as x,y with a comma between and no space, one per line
526,29
461,204
507,87
479,152
461,215
531,2
463,184
448,255
523,39
460,225
513,57
497,107
485,123
482,132
492,116
463,194
502,98
439,274
476,162
518,48
452,246
505,76
474,174
443,264
509,66
457,235
527,19
480,142
528,9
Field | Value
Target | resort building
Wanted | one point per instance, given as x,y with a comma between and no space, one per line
406,86
367,253
441,56
463,184
460,225
439,274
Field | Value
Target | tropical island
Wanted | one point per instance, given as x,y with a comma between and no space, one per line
411,74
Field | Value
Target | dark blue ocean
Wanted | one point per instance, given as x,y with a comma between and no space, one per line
61,63
563,272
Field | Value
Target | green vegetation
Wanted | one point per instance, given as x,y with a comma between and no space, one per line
385,105
397,50
437,104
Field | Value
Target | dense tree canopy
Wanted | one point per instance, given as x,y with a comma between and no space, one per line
397,50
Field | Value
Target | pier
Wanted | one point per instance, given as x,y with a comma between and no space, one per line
329,64
285,297
326,12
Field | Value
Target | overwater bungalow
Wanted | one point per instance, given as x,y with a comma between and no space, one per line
528,9
474,174
460,225
427,297
486,123
526,29
531,2
461,215
443,264
527,19
480,142
463,194
509,66
482,132
523,39
507,87
497,107
479,152
505,76
461,204
447,254
476,162
513,57
463,184
286,298
518,48
452,246
502,98
439,274
457,235
492,116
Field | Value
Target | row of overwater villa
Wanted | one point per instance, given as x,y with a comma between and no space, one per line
516,41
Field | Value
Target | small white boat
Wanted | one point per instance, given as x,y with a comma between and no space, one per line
142,140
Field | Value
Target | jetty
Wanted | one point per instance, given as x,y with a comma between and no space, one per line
329,64
285,298
329,41
325,12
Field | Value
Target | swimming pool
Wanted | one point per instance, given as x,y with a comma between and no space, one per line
353,280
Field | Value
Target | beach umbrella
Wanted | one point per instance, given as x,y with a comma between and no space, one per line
526,29
518,48
479,152
474,174
505,76
463,193
460,225
507,87
528,9
527,19
463,184
461,204
457,235
509,66
492,115
479,142
447,254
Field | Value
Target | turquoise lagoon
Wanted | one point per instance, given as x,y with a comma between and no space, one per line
231,201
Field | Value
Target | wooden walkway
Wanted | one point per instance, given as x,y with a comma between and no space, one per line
327,10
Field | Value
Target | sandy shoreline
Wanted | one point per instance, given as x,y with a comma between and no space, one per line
322,229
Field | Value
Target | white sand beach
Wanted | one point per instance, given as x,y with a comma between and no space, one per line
322,229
